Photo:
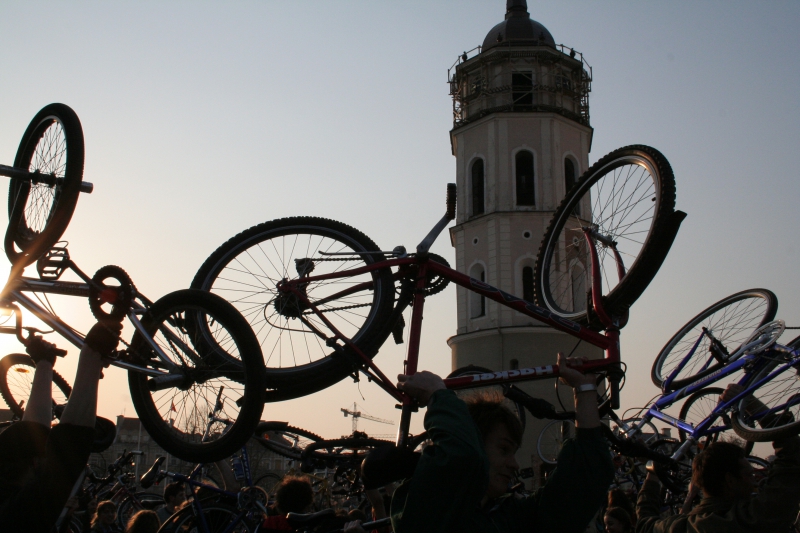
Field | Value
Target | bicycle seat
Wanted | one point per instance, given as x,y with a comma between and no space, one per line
149,477
309,519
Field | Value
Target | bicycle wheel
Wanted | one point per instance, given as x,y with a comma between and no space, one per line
177,413
628,196
283,439
16,380
552,438
731,321
246,269
269,482
39,212
697,408
780,395
215,518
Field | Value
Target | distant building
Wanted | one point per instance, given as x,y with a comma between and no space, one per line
131,435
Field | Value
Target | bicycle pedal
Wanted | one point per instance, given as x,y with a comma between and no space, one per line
52,265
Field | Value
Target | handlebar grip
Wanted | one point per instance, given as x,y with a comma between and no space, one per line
451,201
87,187
614,393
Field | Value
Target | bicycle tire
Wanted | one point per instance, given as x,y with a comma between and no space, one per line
269,482
697,408
16,380
218,518
347,451
205,377
551,439
245,270
283,439
778,395
731,320
631,192
38,213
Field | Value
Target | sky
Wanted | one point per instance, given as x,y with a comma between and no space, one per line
202,119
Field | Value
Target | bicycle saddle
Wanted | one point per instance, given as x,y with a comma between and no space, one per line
300,519
149,477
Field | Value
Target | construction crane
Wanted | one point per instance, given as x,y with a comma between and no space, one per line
356,414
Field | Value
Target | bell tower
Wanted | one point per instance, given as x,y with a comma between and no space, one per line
521,137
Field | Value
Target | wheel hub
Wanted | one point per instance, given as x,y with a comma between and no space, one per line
289,305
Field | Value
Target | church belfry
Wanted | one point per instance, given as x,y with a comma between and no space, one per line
521,137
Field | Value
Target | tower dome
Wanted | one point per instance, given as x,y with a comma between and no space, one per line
518,29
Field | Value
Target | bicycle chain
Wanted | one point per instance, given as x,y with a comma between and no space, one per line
311,312
336,259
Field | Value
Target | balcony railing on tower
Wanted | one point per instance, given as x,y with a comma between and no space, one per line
510,79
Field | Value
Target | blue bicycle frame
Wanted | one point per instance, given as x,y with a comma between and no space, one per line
750,363
197,505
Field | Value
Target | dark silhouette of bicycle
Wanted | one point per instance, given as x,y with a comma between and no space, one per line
187,345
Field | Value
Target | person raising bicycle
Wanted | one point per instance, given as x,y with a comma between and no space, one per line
730,503
461,481
39,465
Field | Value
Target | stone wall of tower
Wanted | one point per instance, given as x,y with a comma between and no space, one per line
505,238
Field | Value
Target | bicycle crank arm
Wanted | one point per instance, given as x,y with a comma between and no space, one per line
38,177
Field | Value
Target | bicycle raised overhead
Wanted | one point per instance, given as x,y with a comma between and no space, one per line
174,366
323,298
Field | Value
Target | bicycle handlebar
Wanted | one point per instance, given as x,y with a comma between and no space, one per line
538,407
38,177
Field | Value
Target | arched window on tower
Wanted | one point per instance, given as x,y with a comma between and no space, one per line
477,303
525,183
527,284
578,275
477,187
569,181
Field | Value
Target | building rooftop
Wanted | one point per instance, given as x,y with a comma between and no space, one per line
518,29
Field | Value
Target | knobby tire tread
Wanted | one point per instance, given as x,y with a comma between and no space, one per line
252,401
657,369
652,254
66,196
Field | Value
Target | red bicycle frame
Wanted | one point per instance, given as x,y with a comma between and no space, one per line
608,341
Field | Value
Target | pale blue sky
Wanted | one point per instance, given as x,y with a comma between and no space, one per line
204,118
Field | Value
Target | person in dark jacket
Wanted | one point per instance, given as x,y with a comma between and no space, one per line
461,482
729,504
38,465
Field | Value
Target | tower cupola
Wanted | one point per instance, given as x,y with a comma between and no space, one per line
518,29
